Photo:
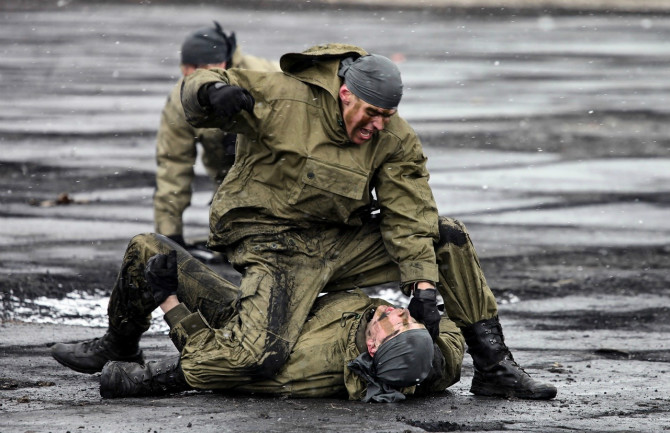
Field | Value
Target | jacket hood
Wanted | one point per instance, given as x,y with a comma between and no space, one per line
319,64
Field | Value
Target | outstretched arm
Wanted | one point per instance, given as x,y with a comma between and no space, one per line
212,98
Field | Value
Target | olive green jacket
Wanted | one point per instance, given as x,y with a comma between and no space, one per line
333,336
295,165
176,153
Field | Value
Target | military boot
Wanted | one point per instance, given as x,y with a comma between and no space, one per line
128,379
90,356
496,372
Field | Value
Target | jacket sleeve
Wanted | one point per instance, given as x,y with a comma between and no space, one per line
175,157
409,220
183,323
201,116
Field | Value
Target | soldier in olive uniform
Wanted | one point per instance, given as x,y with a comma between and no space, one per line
318,145
351,345
176,142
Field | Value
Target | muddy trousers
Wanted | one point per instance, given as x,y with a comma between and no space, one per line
253,327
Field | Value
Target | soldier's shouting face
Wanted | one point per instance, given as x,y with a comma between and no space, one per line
362,120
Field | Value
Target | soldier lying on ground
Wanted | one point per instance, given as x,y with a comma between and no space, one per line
350,345
316,144
176,142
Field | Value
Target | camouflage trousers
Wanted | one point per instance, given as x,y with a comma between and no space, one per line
282,275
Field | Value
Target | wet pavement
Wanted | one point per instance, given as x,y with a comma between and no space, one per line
547,134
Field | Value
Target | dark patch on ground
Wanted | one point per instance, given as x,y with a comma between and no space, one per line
94,276
18,384
612,271
43,182
88,276
600,135
642,355
446,426
31,286
648,320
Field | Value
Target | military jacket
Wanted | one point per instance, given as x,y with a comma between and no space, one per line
176,153
295,165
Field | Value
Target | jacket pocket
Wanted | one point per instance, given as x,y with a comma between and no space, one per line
329,191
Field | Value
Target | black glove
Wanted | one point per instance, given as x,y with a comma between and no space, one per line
227,100
161,275
423,307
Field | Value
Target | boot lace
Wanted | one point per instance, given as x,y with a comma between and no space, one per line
497,339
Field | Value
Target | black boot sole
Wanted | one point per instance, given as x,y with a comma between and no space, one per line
76,367
138,358
492,390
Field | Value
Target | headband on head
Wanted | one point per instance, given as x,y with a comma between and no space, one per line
402,361
373,78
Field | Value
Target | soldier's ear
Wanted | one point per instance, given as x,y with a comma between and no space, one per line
345,94
372,347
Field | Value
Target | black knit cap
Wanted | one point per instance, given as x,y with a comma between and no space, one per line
208,46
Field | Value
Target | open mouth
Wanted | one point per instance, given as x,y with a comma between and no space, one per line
366,134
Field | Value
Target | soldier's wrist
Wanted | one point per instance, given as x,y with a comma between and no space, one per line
422,290
428,294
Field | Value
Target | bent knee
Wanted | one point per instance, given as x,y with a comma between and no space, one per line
141,242
143,239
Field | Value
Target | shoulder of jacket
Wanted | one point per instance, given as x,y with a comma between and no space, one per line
247,61
275,86
399,129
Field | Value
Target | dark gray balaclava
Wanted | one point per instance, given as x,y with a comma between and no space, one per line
208,46
402,361
373,78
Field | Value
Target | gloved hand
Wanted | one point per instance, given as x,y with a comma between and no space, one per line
423,307
161,275
227,100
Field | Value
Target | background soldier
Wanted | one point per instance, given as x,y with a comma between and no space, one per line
176,141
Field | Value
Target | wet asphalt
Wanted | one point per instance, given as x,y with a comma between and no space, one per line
547,134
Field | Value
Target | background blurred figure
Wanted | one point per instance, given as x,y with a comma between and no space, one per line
176,144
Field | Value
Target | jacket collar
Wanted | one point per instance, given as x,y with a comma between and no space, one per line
362,326
319,65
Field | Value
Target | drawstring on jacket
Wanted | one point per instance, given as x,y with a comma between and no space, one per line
346,316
